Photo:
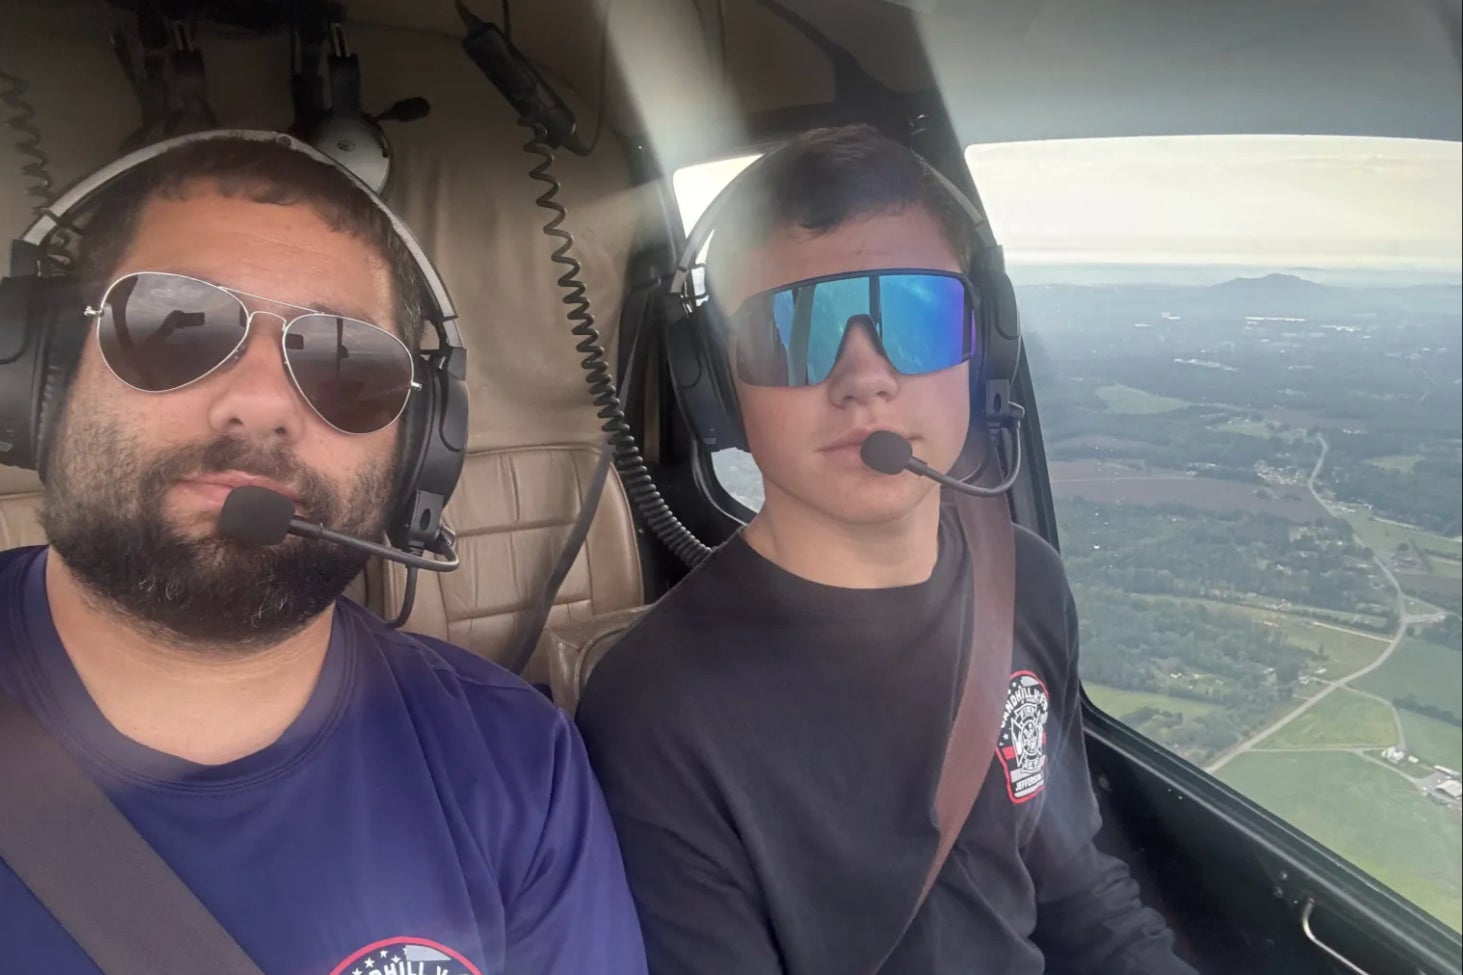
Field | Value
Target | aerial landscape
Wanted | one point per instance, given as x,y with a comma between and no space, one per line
1258,490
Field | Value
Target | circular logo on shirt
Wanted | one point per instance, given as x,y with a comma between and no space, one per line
405,956
1022,744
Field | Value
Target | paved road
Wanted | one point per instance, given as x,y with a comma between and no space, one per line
1403,622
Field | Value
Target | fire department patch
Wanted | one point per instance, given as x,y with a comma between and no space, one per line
405,956
1022,744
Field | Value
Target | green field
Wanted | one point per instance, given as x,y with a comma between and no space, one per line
1434,742
1118,702
1125,399
1354,621
1342,718
1430,673
1417,606
1437,588
1383,537
1347,650
1383,826
1249,428
1402,463
1448,568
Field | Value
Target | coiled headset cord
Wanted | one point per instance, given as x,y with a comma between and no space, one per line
634,474
22,120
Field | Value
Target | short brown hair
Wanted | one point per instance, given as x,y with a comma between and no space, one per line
259,171
826,177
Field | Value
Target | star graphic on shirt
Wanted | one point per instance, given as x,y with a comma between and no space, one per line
356,971
370,963
396,959
384,954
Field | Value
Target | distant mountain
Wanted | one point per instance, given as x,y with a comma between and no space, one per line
1272,286
1201,275
1277,295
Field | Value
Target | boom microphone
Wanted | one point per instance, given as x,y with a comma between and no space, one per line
888,453
258,516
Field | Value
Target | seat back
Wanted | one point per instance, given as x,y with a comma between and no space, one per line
571,650
512,513
20,507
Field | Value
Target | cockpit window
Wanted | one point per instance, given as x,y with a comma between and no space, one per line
1245,351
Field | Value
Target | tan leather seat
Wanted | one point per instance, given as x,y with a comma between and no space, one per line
19,519
512,512
570,651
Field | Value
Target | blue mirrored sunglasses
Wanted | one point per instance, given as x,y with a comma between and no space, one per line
922,322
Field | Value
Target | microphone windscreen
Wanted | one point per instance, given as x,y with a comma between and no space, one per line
886,451
256,516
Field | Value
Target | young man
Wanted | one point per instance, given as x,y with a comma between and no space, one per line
342,797
770,736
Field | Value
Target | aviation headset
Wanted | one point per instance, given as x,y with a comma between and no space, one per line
41,337
700,366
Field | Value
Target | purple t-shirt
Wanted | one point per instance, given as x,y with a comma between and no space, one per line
426,814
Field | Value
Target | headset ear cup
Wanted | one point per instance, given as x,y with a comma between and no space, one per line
432,450
719,367
63,334
1000,341
702,380
420,407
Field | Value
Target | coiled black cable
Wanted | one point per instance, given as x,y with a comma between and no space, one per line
634,474
22,120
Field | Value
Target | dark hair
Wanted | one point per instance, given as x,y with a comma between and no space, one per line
259,171
826,177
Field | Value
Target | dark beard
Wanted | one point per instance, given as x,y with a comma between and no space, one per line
103,514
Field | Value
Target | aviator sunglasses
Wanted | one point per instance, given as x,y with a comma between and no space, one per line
160,332
921,321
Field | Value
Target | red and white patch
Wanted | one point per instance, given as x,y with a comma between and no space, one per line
1021,746
405,956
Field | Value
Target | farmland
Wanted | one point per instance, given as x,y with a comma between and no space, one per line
1127,400
1434,742
1402,463
1384,536
1121,703
1108,482
1409,842
1426,672
1345,649
1343,719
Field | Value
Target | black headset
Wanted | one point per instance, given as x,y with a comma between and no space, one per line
43,327
700,366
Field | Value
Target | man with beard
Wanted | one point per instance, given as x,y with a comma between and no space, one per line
340,796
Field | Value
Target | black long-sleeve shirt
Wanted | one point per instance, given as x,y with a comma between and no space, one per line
769,748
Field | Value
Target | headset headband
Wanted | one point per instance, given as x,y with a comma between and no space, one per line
53,217
989,254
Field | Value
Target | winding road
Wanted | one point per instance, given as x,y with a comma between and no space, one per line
1403,622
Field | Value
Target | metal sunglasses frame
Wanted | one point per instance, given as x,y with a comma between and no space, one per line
237,295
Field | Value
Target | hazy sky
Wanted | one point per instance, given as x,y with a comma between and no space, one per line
1318,201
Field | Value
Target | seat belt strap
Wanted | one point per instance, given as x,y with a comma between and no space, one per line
92,870
990,540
